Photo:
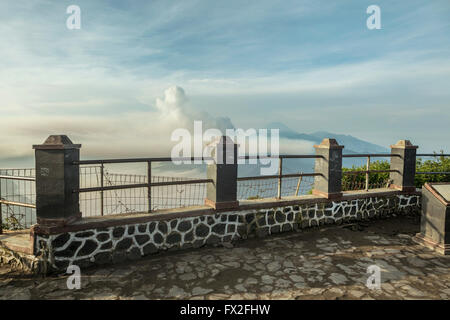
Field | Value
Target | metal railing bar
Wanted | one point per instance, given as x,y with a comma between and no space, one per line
19,204
291,175
432,154
368,171
17,178
128,160
142,185
364,155
435,172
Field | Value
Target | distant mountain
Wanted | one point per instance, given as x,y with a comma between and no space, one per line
351,144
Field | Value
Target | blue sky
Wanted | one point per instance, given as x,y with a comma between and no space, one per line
312,65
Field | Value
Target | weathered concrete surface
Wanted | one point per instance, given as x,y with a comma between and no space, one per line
326,264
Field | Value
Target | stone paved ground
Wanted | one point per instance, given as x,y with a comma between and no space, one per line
315,264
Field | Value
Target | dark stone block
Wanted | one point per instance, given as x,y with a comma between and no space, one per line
149,248
223,218
202,230
286,227
84,234
151,227
189,236
231,228
142,228
187,246
102,237
251,228
262,232
70,250
88,248
130,230
83,263
118,232
296,208
271,218
242,231
124,244
261,221
173,224
158,238
162,226
212,239
328,213
249,217
184,226
198,243
275,229
61,264
232,217
210,221
286,210
219,228
106,245
280,217
103,258
173,238
119,256
290,216
134,254
60,240
227,239
142,238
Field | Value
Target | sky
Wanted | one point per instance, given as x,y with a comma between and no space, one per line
137,70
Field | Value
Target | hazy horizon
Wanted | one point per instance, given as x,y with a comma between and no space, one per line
136,71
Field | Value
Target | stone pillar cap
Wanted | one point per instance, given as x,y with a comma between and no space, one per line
59,141
329,143
404,144
222,140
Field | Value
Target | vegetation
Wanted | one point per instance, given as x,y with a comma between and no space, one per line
381,179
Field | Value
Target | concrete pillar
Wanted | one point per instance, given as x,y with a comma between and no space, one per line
56,178
435,220
405,164
329,165
222,193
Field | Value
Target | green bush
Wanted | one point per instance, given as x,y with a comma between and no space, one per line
380,179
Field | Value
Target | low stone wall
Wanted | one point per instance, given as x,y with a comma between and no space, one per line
130,240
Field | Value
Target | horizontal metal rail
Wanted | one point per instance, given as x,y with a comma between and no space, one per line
432,154
282,156
364,155
368,171
136,160
436,172
142,185
17,178
292,175
19,204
